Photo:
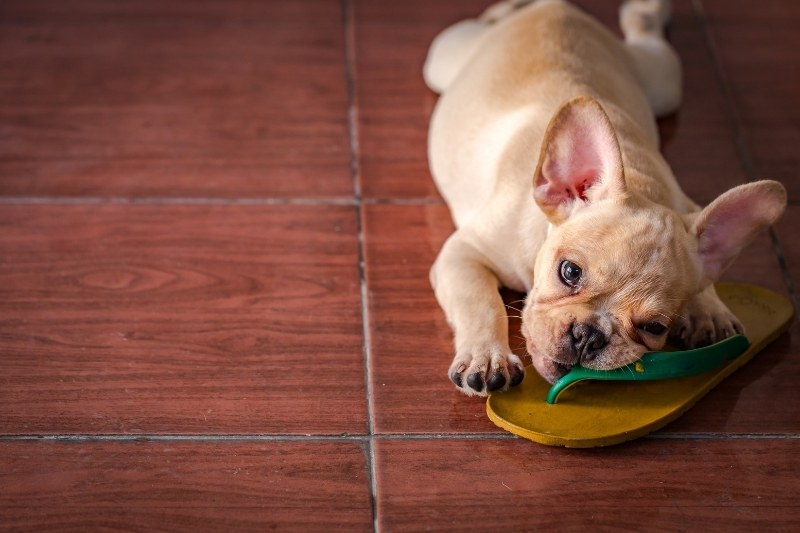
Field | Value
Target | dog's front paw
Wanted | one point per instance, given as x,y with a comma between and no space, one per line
482,370
704,321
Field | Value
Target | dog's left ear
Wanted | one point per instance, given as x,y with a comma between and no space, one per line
730,222
580,162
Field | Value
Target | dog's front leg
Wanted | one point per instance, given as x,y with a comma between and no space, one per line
467,290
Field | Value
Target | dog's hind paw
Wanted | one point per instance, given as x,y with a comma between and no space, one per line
481,371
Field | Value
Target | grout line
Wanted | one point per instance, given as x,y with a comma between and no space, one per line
723,436
185,437
740,140
783,265
267,200
265,437
348,29
159,200
404,201
360,438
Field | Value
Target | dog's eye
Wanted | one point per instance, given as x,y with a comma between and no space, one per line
570,273
654,328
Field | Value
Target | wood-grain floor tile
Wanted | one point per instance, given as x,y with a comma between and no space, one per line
789,238
183,486
758,53
224,99
699,140
411,345
180,319
394,105
503,485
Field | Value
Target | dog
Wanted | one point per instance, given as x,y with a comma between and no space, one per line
544,145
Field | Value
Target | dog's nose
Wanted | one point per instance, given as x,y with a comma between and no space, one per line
587,341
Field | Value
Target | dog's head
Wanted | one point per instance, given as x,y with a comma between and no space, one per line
616,268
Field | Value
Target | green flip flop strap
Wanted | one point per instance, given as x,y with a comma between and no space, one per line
659,365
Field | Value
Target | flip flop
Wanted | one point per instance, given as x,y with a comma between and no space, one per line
592,408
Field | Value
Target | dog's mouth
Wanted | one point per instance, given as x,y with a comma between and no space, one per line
549,369
563,368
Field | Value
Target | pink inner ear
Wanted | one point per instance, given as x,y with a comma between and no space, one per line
581,187
581,160
725,232
732,221
566,184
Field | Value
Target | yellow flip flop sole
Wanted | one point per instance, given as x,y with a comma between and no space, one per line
601,413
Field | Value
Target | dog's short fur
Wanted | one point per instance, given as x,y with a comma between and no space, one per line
545,147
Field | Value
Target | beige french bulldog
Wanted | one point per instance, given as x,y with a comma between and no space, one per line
545,147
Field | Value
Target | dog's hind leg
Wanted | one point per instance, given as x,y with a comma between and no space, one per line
655,62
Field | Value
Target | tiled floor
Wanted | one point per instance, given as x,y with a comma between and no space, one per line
216,221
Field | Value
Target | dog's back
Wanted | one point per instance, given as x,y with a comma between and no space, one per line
490,120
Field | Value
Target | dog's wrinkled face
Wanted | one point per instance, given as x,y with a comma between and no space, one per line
616,268
608,284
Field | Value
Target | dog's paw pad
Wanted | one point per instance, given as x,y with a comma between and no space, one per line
475,382
517,374
493,370
496,382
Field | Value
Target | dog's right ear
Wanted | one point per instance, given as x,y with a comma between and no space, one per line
580,162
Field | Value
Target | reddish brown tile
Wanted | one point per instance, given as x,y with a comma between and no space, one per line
184,486
790,240
758,264
229,99
392,40
654,485
411,343
758,52
760,398
698,141
180,319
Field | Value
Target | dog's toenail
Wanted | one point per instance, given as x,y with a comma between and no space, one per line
455,377
496,382
475,381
